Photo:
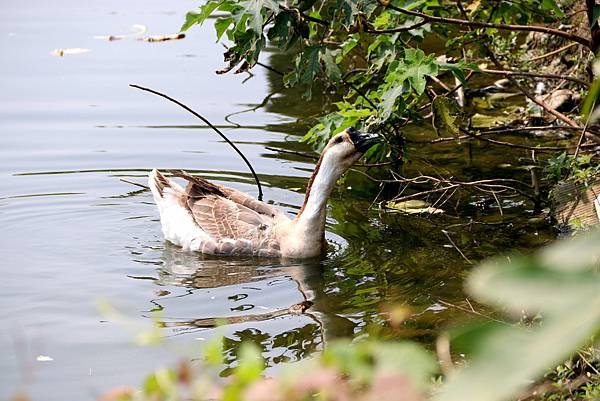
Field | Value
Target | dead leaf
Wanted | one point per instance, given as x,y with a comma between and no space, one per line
163,38
413,206
73,50
136,29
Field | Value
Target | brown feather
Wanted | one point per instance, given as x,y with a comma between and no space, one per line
237,223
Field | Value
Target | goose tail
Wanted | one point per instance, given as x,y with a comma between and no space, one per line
177,223
162,188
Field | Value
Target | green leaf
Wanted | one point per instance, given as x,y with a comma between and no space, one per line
389,100
310,64
213,351
161,383
349,44
417,68
331,68
254,9
596,15
282,31
250,364
221,25
525,286
193,18
509,358
552,6
406,358
443,120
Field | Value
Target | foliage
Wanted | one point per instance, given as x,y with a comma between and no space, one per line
560,285
581,169
383,76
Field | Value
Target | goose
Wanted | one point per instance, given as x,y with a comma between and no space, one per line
217,220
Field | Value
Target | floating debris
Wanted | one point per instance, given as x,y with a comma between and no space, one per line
137,31
413,207
163,38
562,100
65,52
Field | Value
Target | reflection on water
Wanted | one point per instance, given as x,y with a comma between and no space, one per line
249,286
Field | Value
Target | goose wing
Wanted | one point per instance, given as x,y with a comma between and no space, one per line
237,223
223,219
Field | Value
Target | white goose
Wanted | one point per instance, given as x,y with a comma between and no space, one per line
217,220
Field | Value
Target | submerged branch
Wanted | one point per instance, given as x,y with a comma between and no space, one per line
533,74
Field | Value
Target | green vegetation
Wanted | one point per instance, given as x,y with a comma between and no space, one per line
389,65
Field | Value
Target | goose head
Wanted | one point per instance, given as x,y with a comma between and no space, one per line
341,152
344,149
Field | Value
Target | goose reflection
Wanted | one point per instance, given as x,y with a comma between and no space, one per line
280,306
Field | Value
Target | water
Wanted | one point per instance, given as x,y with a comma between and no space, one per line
75,237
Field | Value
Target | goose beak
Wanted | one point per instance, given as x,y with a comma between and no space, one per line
362,140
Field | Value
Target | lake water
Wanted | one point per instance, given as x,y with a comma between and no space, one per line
74,237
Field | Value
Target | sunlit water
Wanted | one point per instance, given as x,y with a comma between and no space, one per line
76,241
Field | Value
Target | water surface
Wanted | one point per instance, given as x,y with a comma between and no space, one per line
73,234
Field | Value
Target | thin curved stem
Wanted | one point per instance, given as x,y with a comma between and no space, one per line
239,152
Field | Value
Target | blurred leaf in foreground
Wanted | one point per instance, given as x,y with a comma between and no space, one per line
563,286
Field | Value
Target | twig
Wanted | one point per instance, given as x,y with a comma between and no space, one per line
268,67
526,28
498,203
474,312
239,152
304,16
355,89
552,53
292,152
549,387
470,305
308,156
261,104
456,247
542,104
134,183
402,29
587,121
532,74
442,348
518,146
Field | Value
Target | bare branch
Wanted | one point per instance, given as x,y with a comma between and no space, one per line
239,152
508,73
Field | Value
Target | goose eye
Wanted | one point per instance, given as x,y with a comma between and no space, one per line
339,139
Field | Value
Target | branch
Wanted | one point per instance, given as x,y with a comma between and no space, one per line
402,29
239,152
517,146
503,131
533,74
455,21
540,103
552,53
300,14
